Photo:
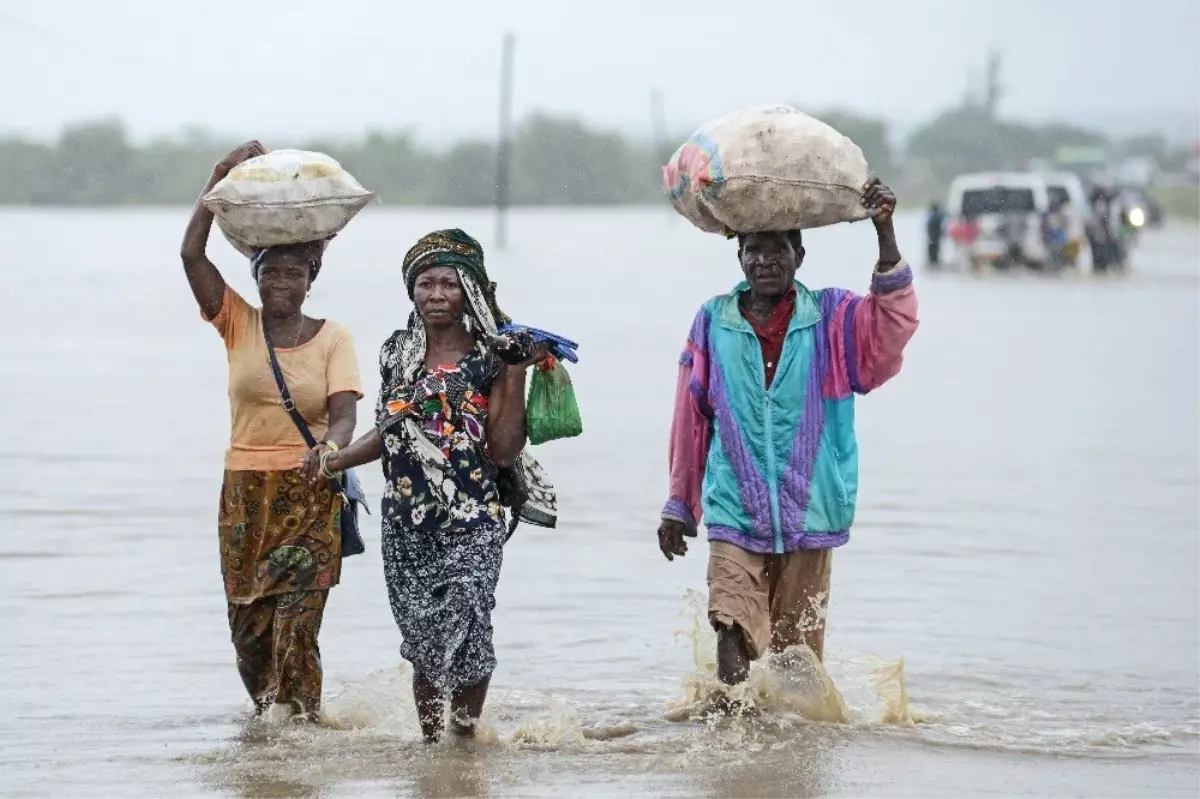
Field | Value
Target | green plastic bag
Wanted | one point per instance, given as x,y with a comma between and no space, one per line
551,411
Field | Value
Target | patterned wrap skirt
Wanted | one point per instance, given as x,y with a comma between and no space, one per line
278,535
442,589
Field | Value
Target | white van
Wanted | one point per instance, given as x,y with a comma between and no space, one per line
996,218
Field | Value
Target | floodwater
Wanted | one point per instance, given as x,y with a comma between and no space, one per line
1017,613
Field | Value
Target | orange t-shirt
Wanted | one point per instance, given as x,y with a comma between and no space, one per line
264,438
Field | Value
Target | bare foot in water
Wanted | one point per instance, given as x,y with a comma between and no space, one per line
463,737
734,707
461,730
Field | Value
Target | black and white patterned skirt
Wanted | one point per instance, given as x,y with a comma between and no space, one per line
442,588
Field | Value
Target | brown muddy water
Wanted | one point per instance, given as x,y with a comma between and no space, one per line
1017,613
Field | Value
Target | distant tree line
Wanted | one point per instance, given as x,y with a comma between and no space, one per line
555,161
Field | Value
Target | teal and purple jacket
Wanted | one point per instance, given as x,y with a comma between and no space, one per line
775,469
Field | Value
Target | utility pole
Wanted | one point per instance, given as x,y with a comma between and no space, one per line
504,144
991,87
658,126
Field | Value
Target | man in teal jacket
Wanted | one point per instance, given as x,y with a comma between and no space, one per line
763,448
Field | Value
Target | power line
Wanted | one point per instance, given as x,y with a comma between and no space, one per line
48,34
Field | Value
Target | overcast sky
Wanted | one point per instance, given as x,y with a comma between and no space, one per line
278,69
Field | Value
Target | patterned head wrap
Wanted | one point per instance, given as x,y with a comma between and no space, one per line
538,503
455,249
311,251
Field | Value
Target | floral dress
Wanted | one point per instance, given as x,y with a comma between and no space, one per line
443,527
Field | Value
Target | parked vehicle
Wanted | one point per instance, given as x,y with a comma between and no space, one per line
998,219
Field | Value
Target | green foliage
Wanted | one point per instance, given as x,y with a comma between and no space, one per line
970,140
1182,202
555,161
560,162
869,134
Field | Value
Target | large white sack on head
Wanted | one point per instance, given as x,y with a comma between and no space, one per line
285,197
766,168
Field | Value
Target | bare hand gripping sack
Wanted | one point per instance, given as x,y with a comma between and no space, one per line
769,168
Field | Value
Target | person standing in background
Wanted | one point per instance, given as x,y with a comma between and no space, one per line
935,229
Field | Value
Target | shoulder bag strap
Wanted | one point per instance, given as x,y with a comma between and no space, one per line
289,404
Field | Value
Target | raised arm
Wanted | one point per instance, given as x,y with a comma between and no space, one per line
880,198
208,287
867,335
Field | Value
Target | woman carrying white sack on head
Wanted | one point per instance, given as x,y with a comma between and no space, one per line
279,533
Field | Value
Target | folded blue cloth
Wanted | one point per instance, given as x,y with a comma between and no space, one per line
561,348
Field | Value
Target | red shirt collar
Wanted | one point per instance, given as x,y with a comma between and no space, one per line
775,325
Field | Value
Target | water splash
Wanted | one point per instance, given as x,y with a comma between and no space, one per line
381,704
892,689
790,684
560,728
381,701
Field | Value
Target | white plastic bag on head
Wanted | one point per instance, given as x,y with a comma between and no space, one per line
768,168
285,197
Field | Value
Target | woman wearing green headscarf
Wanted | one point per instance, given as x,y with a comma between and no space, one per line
450,429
